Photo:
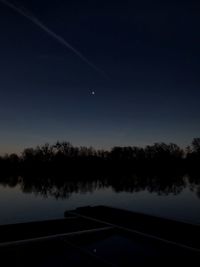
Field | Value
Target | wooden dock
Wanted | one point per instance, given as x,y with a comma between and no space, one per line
100,236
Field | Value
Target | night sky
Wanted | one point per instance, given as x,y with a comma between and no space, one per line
145,73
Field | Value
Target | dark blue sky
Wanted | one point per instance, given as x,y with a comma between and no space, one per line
150,51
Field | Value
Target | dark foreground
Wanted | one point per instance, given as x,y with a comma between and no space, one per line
100,236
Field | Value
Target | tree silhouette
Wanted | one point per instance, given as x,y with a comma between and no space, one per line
63,156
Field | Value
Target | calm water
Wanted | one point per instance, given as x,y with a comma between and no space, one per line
27,201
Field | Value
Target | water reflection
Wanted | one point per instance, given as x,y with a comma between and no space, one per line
62,187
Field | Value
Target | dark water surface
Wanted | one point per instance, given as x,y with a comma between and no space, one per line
30,199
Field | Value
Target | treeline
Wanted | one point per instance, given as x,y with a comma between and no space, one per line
63,156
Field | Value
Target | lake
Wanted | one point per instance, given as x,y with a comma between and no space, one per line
24,199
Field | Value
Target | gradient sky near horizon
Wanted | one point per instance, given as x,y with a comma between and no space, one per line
150,51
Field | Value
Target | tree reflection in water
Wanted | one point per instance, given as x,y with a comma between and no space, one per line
61,187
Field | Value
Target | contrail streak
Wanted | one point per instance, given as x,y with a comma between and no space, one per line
24,12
